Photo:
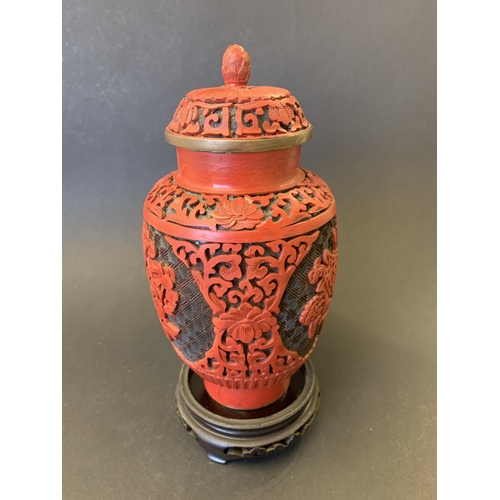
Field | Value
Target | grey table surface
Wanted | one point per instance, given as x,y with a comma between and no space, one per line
364,73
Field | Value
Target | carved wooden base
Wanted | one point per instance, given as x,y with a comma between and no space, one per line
228,434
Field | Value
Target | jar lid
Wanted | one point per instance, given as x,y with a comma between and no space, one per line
237,117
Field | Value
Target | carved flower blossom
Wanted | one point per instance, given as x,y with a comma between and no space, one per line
186,118
314,313
165,298
170,300
161,276
324,271
245,323
237,214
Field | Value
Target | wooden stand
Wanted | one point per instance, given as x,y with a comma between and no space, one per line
228,434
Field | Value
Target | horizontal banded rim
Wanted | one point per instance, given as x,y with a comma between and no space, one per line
216,145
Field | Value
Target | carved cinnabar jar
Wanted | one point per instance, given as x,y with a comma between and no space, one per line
240,242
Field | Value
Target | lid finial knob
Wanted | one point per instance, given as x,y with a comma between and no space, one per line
236,66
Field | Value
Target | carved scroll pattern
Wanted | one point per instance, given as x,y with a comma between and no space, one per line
169,202
262,117
243,285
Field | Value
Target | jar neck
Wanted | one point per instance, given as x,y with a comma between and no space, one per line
238,173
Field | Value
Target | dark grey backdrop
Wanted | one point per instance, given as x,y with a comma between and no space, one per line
365,74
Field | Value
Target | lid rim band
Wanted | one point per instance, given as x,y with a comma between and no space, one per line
215,145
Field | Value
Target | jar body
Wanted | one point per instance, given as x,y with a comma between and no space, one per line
241,281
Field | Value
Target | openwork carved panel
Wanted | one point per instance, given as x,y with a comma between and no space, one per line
242,312
193,316
230,116
169,202
299,293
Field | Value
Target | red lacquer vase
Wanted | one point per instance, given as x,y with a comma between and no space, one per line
241,253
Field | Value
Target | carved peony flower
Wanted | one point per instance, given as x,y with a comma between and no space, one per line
245,323
237,214
162,276
168,278
314,313
324,271
313,310
165,298
170,301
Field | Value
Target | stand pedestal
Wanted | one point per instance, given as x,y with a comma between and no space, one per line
228,434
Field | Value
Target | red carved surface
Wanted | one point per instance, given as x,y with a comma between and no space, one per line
167,201
244,285
161,282
257,118
238,213
235,228
236,66
323,273
236,109
244,289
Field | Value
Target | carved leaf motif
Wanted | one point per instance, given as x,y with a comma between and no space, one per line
258,357
218,305
255,250
230,272
255,267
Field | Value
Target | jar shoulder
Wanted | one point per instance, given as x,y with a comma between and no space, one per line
307,205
